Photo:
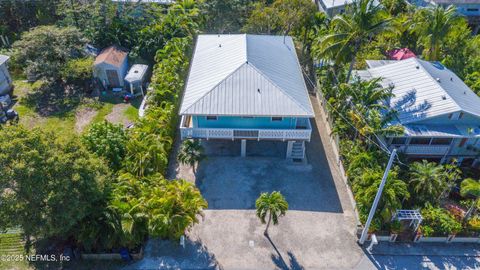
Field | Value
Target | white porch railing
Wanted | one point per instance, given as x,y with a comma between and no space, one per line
423,149
239,133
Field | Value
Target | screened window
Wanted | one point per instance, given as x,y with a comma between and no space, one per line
277,119
441,141
420,141
399,140
212,118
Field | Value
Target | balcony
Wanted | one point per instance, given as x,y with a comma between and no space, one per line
426,150
302,132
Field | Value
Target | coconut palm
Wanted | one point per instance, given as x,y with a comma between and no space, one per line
427,180
432,26
470,186
274,205
190,153
358,25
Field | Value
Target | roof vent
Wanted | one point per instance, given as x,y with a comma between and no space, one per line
417,67
444,97
258,90
219,45
451,79
438,79
136,71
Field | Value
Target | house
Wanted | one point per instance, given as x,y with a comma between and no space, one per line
136,78
332,7
439,112
247,87
5,79
111,66
468,8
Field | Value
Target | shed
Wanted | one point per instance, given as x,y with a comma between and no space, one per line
111,66
136,77
5,79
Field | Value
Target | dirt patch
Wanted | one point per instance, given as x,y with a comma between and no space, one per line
83,117
117,116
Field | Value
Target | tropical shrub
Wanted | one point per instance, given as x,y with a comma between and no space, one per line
191,152
108,141
474,224
438,221
272,205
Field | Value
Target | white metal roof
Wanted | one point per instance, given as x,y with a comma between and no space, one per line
3,59
249,75
336,3
136,73
425,89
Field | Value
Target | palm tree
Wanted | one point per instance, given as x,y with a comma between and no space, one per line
433,25
427,180
359,25
190,153
470,187
274,205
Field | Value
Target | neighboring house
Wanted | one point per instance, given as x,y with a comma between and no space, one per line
332,7
247,87
111,66
5,79
440,114
468,8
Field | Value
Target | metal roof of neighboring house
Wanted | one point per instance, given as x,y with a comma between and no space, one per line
335,3
136,73
378,63
446,130
249,75
112,55
425,89
3,59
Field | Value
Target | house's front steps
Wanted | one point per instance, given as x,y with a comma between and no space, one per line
296,150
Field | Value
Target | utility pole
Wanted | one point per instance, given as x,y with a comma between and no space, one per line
377,198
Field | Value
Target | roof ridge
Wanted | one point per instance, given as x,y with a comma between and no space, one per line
421,62
213,88
281,90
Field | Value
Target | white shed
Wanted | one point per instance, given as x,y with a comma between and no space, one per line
111,66
5,79
136,77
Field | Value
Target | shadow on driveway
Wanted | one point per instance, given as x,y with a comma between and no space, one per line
231,182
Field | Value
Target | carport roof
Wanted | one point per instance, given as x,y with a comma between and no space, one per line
246,75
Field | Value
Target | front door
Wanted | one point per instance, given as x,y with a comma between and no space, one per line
112,76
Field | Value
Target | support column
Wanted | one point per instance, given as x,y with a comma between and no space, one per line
289,148
243,150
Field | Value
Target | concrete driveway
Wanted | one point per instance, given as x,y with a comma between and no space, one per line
317,231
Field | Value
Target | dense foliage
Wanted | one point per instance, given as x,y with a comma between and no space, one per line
108,141
48,188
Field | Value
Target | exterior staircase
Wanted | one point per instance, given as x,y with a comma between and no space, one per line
298,150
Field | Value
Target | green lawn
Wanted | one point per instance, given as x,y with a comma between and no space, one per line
64,124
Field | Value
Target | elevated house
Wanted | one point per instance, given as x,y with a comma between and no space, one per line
440,114
5,79
247,87
332,7
111,66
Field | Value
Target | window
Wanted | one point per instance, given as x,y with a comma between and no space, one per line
472,9
420,141
441,141
277,119
247,117
460,116
211,118
399,140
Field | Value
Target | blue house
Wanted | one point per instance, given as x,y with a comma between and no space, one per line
247,87
440,113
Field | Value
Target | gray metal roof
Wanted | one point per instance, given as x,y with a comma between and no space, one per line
442,131
3,59
249,75
424,89
136,73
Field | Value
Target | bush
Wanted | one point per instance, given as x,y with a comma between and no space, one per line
438,221
474,224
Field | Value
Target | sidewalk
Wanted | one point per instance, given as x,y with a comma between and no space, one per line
427,249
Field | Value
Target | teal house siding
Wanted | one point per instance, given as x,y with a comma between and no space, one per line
244,122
